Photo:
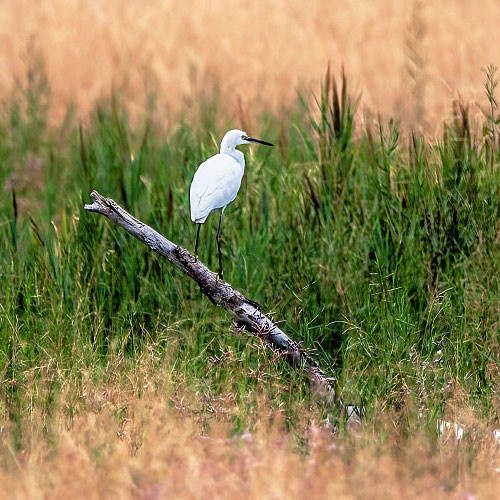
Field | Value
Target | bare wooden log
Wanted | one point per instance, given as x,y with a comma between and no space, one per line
246,313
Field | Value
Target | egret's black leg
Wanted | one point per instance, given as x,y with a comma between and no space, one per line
219,274
196,244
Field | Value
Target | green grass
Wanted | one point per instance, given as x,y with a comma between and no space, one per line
377,251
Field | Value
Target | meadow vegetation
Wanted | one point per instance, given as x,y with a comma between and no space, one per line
378,251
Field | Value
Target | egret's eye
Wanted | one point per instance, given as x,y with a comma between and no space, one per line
242,137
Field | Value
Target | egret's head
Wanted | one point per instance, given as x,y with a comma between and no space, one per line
236,137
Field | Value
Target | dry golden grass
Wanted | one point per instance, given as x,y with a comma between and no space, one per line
164,445
408,58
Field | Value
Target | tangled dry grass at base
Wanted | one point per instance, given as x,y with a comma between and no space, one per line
409,59
162,446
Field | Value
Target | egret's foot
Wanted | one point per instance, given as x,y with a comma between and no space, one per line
195,258
218,277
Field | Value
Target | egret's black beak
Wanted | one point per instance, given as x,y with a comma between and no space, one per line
251,139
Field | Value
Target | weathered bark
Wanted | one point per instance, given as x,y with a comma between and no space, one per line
246,313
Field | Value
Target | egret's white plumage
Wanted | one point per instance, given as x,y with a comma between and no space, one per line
215,184
217,180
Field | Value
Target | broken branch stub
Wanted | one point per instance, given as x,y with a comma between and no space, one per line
246,313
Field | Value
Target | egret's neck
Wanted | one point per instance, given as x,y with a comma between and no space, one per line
227,148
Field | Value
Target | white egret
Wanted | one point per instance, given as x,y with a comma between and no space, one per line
217,182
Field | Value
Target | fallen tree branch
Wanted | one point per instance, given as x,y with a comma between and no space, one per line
246,313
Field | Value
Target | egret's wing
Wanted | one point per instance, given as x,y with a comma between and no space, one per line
215,184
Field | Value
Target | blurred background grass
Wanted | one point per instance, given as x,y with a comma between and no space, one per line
409,59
